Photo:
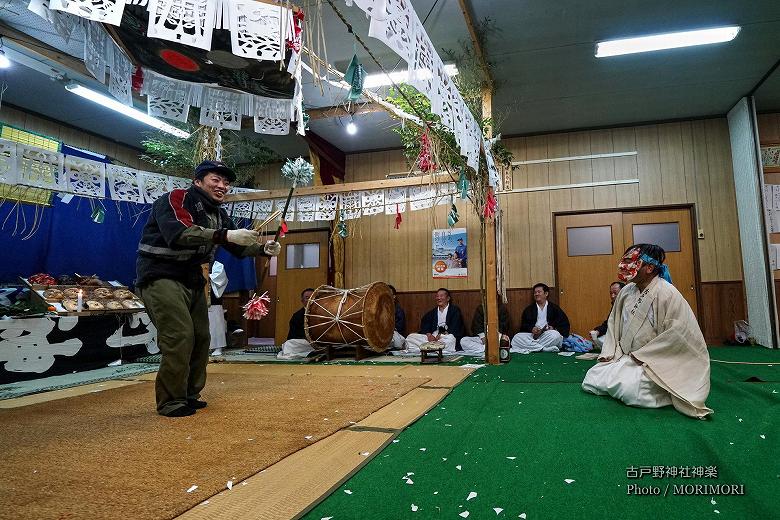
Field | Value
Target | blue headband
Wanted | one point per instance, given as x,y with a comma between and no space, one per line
664,269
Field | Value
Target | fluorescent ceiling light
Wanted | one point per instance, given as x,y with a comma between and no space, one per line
4,61
115,105
666,41
402,76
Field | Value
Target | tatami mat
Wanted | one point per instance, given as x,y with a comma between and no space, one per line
288,488
64,393
294,485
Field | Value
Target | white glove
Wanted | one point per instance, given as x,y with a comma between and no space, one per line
242,237
272,248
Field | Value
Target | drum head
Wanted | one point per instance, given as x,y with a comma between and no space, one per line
379,316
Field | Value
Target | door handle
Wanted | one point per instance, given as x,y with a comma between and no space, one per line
692,288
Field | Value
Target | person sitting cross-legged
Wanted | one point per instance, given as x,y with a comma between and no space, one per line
397,343
475,345
543,325
598,333
297,346
654,353
443,323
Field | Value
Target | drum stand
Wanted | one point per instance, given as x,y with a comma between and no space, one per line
360,352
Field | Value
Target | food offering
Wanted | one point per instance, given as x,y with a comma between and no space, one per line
83,295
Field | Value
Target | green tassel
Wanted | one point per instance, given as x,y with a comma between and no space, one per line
355,76
463,184
98,214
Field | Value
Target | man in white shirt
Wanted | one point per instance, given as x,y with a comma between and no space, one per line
543,325
443,323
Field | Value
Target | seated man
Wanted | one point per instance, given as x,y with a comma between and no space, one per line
475,345
443,323
397,342
297,346
654,353
542,326
597,334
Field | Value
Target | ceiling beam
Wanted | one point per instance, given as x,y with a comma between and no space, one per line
478,50
341,110
40,51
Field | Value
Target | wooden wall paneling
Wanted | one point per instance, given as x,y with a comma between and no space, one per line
671,163
688,158
723,200
11,116
603,169
624,140
45,127
649,168
708,255
581,171
518,239
723,303
559,172
539,215
769,127
377,230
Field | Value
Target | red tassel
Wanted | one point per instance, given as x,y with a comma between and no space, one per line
398,217
490,204
424,159
137,79
283,229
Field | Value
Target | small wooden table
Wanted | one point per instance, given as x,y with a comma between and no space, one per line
432,349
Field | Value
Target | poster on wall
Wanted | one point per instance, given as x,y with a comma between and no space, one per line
449,254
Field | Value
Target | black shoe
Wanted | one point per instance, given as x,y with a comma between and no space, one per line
196,404
182,411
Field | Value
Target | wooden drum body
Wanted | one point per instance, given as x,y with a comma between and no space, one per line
364,316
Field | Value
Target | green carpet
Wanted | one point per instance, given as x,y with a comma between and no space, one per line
534,411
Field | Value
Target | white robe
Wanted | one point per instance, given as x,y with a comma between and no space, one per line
661,336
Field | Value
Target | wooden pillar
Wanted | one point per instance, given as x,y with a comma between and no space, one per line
490,268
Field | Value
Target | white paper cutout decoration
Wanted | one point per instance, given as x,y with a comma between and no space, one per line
106,11
8,172
40,168
350,205
241,209
120,80
326,206
221,108
190,22
255,29
421,197
279,204
395,200
123,183
95,50
373,202
166,97
272,116
153,185
85,176
306,208
180,183
262,208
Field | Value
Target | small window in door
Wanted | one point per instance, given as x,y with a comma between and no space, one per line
303,256
589,241
666,235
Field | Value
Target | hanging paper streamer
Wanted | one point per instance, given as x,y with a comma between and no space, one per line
452,216
341,227
299,172
463,184
355,76
257,307
398,217
424,160
490,204
98,214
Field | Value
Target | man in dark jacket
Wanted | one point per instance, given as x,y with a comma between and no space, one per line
476,344
598,333
179,239
398,340
297,346
443,323
543,325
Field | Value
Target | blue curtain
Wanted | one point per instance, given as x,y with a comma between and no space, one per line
68,241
